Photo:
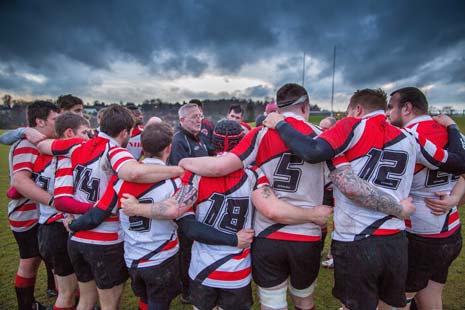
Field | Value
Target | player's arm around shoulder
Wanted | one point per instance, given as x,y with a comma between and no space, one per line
265,200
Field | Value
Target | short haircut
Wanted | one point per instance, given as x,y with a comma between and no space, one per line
197,102
370,99
413,95
332,120
226,135
155,138
66,102
69,120
115,119
40,109
236,108
290,94
183,110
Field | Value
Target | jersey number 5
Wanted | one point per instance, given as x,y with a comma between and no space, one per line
286,177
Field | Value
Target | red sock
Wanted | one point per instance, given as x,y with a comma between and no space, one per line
67,308
143,305
24,288
24,282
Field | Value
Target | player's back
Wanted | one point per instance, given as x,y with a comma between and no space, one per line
384,156
223,203
293,180
426,182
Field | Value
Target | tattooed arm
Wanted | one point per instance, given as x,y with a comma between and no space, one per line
279,211
167,209
367,195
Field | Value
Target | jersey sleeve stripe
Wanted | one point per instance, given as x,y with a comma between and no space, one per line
23,166
25,150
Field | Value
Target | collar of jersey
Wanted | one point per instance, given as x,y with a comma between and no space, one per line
153,161
294,115
418,119
374,113
105,136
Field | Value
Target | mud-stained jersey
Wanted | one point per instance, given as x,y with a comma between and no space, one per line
426,182
223,203
384,156
23,213
293,180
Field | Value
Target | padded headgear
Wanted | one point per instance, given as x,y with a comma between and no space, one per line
226,135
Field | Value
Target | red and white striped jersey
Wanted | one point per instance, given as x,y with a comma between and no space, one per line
426,182
134,145
44,176
223,203
295,181
23,213
94,163
147,242
384,156
64,186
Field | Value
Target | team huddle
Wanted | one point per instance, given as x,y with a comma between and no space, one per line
254,202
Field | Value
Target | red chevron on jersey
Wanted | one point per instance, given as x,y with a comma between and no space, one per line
426,182
94,163
147,242
223,203
289,176
23,213
382,155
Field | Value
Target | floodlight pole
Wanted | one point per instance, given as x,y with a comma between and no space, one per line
303,72
332,90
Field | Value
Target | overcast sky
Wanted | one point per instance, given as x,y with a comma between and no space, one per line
178,50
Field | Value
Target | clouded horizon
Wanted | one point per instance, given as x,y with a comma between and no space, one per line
176,50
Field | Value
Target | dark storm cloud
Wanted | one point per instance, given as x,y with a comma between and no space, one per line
377,41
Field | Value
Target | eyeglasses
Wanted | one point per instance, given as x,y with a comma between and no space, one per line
195,117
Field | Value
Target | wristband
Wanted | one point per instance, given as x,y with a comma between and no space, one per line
50,202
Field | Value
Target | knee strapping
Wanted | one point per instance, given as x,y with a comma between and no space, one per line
303,293
274,297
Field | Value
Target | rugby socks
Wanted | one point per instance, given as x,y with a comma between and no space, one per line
143,305
67,308
24,292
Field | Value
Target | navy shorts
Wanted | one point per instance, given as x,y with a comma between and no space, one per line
274,261
102,263
27,242
206,297
370,269
157,284
53,247
430,258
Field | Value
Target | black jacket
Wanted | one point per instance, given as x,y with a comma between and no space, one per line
185,145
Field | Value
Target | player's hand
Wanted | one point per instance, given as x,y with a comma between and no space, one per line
407,208
129,204
444,120
443,204
33,135
320,214
66,222
272,120
244,238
